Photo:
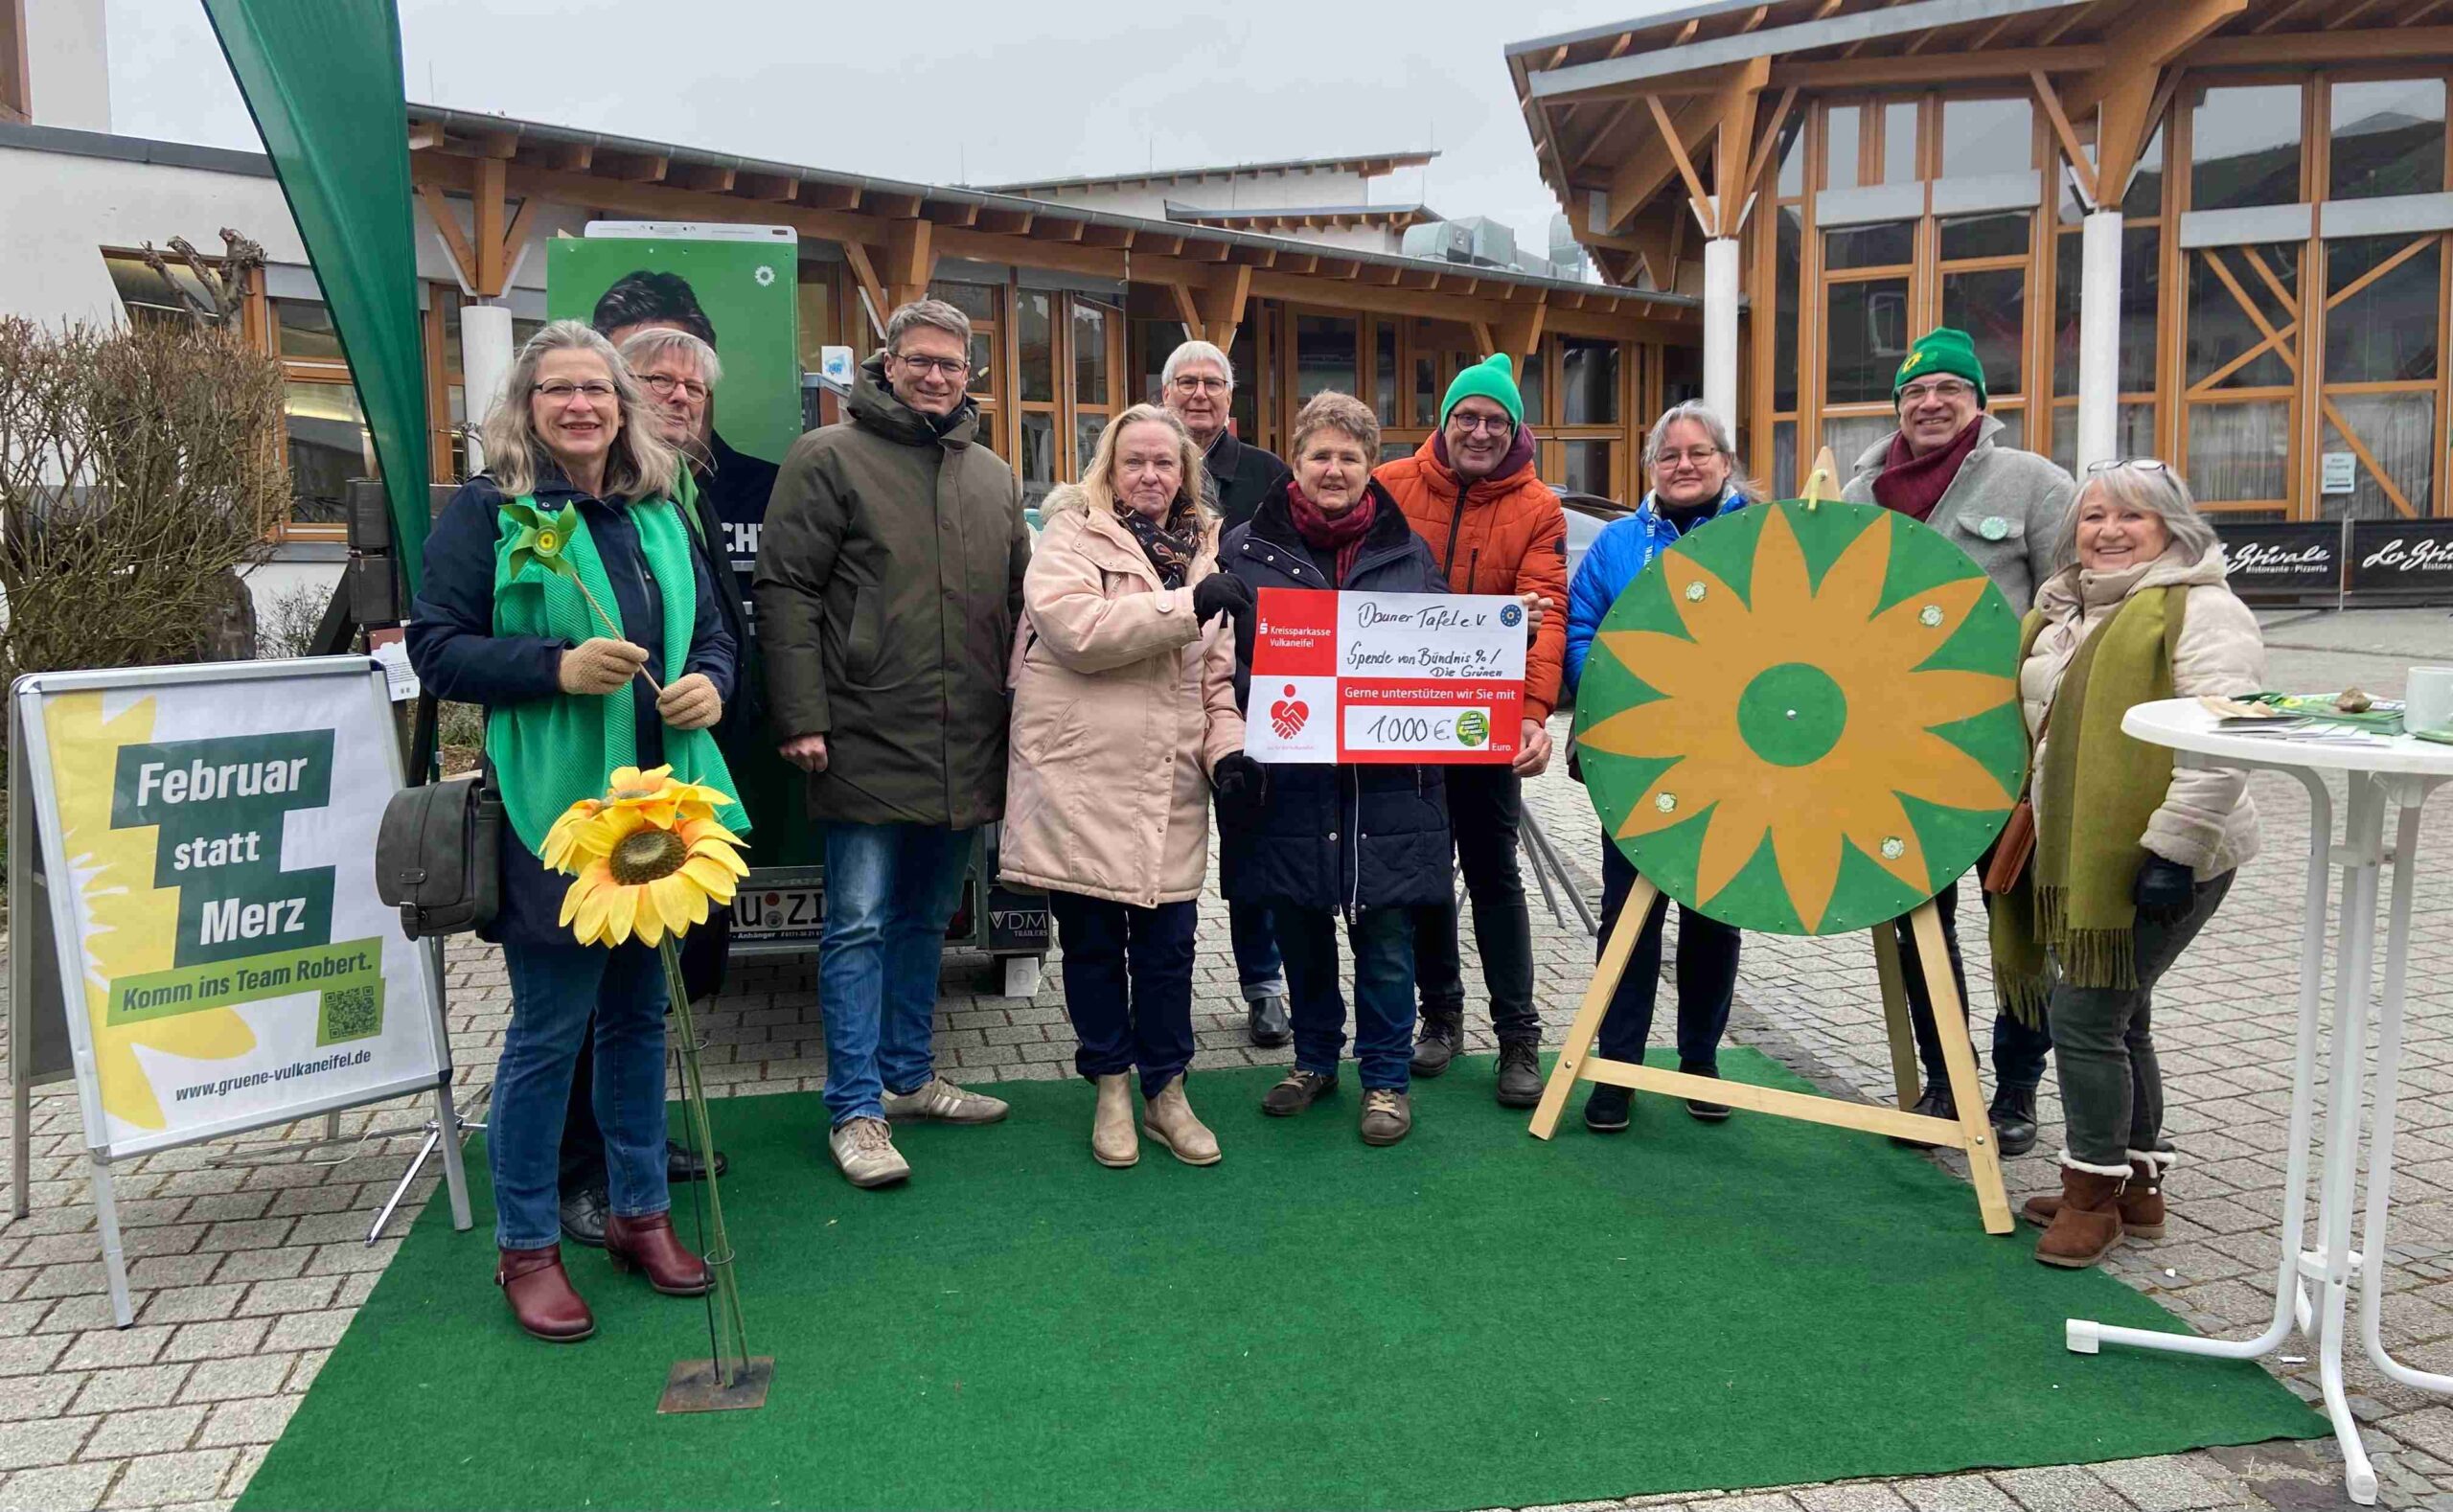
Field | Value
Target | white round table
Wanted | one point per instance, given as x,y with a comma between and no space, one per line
2380,772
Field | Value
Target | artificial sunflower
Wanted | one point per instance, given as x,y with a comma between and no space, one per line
1805,718
649,870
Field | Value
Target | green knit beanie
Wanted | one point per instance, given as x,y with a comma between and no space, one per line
1493,379
1941,349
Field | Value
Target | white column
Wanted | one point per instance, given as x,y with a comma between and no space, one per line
485,360
2100,340
1720,327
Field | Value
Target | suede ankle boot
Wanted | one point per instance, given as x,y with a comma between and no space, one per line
2141,1198
2087,1224
1169,1119
541,1296
1112,1141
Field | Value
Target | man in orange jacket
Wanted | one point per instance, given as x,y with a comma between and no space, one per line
1493,527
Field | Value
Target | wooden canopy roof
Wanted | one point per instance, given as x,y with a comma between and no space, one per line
1655,130
892,233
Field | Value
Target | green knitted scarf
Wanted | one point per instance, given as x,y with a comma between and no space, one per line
549,753
2071,914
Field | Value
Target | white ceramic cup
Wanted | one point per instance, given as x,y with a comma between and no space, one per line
2427,704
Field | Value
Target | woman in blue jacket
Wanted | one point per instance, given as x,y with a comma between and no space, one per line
567,703
1313,841
1695,478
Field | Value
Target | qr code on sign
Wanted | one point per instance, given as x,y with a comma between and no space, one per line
351,1013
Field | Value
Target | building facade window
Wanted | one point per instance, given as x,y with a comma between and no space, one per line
2266,367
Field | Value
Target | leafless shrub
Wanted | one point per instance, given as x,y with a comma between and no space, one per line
286,626
141,470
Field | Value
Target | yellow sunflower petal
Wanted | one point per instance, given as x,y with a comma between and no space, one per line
1665,727
1940,772
1679,668
711,876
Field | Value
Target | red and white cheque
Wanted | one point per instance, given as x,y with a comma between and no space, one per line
1387,678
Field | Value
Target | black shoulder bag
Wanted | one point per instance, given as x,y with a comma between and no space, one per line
437,855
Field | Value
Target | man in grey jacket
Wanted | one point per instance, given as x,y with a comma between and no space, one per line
2004,507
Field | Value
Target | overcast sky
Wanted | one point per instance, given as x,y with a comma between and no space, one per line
954,91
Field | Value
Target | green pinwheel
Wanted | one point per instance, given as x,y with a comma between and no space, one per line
544,541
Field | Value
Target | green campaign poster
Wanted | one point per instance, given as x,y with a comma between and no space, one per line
734,287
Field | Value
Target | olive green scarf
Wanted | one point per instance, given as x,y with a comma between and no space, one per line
2072,914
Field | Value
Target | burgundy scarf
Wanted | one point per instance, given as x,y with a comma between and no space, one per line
1342,533
1913,485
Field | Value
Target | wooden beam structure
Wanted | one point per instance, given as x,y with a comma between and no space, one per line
911,258
2151,37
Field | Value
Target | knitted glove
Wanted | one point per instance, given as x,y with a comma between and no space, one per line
600,665
690,703
1238,778
1222,593
2163,889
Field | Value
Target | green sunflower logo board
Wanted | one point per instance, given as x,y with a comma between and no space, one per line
1804,718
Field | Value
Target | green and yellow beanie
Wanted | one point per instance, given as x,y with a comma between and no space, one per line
1493,379
1941,349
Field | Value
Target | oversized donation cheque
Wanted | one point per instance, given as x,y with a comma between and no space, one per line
1386,677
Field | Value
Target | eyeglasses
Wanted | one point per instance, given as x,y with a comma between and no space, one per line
1694,456
559,390
2138,464
1186,384
1474,425
666,385
1943,388
950,367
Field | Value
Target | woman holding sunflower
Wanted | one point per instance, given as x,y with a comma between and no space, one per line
1124,702
560,592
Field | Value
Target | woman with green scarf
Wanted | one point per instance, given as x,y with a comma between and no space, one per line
2132,853
630,673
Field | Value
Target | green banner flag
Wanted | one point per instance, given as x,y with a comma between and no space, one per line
323,79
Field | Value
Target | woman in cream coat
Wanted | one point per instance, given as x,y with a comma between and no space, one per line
1124,700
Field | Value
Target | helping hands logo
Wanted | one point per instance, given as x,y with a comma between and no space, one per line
132,925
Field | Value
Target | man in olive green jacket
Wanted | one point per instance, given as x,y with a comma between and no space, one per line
889,580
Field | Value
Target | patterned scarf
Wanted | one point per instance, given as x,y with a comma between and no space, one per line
1170,547
1913,485
1342,533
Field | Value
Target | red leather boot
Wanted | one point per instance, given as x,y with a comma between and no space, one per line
650,1245
542,1297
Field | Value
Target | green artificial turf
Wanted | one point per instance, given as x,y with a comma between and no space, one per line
1472,1318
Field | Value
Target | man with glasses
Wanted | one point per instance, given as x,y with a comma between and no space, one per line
1198,384
889,582
734,484
1945,466
1493,527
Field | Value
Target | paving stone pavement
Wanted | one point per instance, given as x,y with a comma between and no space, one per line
248,1257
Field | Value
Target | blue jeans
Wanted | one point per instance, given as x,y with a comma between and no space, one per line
554,989
1128,985
1383,991
890,891
1707,973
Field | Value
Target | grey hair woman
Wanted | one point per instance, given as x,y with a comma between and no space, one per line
569,399
576,686
2133,854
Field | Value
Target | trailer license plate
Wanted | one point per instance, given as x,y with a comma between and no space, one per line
778,910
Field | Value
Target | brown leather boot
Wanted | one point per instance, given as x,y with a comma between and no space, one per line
2088,1222
2142,1199
650,1245
541,1296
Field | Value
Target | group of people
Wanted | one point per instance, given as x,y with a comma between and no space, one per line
932,669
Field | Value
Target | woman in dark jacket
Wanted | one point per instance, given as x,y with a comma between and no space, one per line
1313,841
567,703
